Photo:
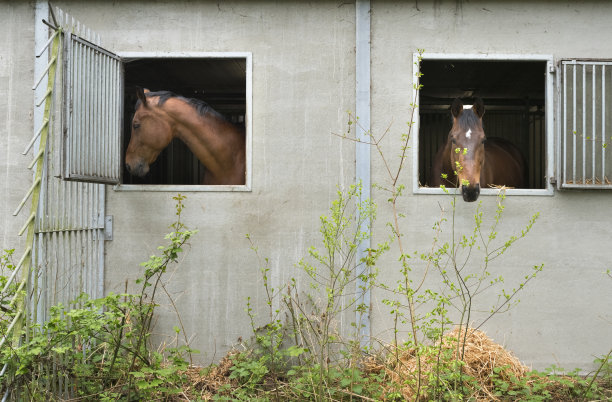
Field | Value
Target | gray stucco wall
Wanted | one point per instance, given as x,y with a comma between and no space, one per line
303,83
16,103
564,315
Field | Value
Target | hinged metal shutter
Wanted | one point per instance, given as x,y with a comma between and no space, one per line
70,224
93,104
586,124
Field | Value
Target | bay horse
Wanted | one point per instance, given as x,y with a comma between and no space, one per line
162,116
470,160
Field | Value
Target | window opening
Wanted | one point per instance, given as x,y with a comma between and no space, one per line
220,82
514,95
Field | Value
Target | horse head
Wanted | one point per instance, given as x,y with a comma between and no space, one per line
467,153
151,133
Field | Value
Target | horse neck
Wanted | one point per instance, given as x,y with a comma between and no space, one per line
441,164
216,143
446,163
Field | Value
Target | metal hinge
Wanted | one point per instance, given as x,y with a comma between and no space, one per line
108,227
552,69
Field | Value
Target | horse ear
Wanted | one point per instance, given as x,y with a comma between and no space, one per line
141,95
457,107
478,107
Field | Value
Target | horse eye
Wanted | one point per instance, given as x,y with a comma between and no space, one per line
136,126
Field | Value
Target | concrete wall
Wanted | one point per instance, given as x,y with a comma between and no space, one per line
303,83
564,315
16,103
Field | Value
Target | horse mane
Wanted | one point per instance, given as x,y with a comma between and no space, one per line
468,119
201,107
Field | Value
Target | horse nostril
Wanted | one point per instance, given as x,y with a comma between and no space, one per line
470,194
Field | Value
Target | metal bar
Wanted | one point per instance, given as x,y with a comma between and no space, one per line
51,62
594,119
36,157
91,152
564,157
30,219
10,328
68,101
584,124
19,264
33,140
603,122
84,165
46,45
362,155
597,187
104,112
589,63
16,295
77,101
40,102
574,126
114,162
118,102
23,201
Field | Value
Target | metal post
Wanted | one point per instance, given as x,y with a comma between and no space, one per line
362,153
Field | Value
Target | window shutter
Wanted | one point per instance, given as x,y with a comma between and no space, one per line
586,124
93,98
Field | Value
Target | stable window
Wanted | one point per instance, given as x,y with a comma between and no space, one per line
517,94
222,80
99,103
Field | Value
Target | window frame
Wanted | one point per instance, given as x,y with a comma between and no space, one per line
248,56
549,119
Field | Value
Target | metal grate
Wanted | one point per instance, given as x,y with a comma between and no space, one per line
93,101
586,125
66,225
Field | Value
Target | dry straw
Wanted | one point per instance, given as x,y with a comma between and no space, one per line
479,354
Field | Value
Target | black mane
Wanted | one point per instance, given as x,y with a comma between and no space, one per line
201,107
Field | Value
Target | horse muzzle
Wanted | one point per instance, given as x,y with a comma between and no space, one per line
470,193
139,169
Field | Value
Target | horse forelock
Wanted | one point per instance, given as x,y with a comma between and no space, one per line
468,120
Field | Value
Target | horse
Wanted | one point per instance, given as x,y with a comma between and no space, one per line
162,116
471,160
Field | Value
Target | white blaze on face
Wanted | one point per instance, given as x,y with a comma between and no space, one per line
468,134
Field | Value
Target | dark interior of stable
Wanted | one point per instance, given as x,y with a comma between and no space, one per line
221,82
514,94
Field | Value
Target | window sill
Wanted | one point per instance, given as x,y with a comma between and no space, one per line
488,191
183,188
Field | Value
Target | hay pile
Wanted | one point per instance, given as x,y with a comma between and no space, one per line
204,383
480,356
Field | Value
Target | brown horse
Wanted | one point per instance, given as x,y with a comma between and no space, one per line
162,116
471,160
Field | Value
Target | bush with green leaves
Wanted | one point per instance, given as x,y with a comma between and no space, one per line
99,349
